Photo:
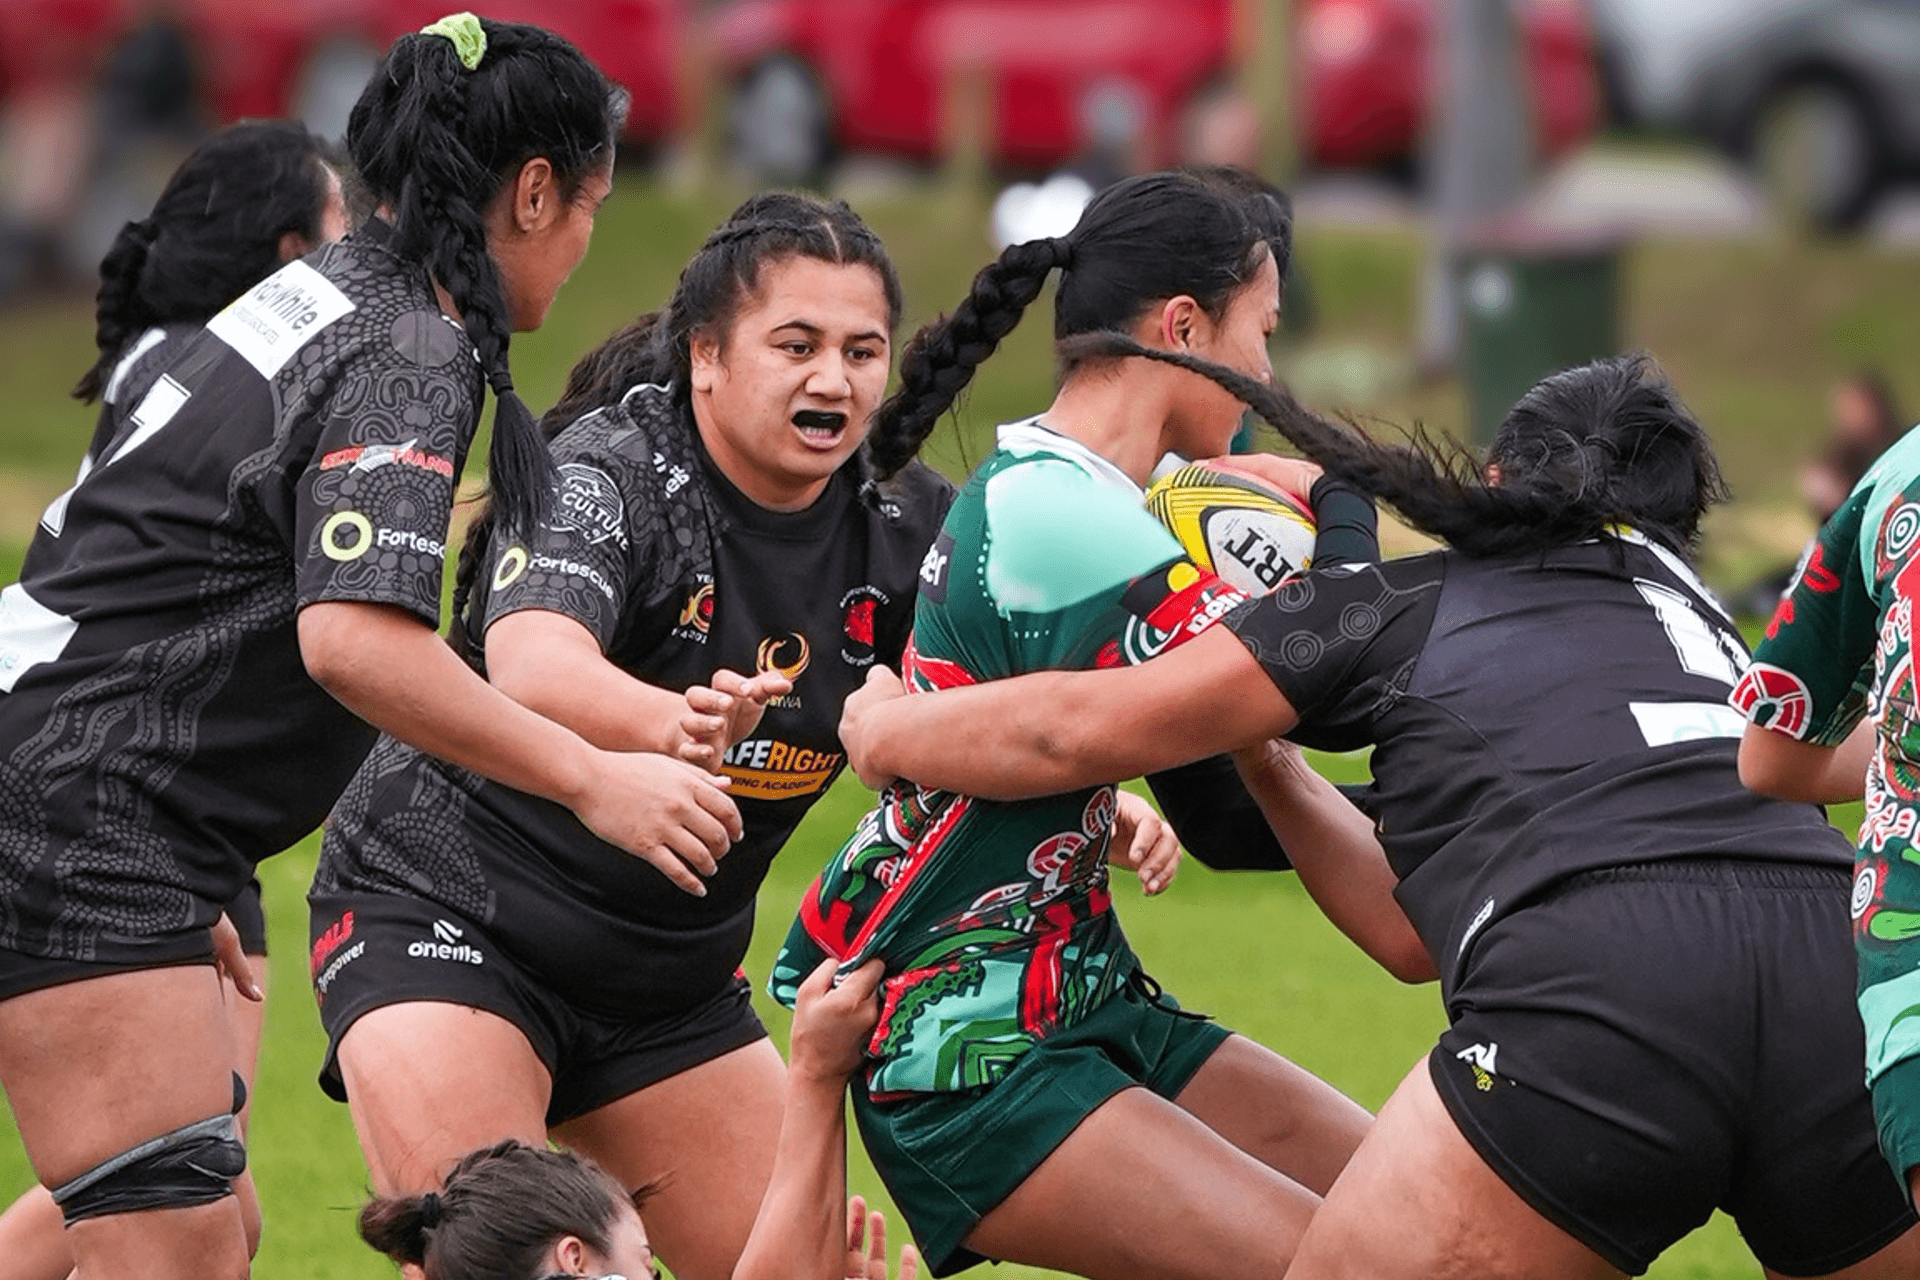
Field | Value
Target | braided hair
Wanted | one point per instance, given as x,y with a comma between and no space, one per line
1202,233
658,346
213,234
500,1211
434,143
1587,448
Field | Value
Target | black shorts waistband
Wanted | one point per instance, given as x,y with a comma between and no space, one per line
1729,873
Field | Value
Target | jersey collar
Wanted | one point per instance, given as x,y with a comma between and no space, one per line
1030,436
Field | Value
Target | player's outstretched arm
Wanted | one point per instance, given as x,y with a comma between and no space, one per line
1040,734
1786,769
801,1232
1337,856
551,663
392,671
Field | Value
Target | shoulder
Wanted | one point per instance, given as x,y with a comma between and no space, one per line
914,499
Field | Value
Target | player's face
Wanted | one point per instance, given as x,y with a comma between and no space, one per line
628,1253
1207,417
537,242
790,393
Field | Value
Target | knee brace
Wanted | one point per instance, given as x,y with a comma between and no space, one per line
193,1165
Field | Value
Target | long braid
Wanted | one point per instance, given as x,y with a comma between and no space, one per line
942,358
119,312
1572,490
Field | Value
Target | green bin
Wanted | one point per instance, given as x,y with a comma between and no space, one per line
1529,308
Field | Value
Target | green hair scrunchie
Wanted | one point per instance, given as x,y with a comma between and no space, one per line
468,36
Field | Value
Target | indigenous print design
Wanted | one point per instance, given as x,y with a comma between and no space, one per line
159,730
1843,637
994,919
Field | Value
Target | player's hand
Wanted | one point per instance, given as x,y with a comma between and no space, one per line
867,1245
1294,475
1143,840
831,1024
676,817
230,959
882,687
724,712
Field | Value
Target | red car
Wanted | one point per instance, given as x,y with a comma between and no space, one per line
813,77
310,58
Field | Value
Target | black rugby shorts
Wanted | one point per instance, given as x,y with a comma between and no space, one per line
1648,1043
373,949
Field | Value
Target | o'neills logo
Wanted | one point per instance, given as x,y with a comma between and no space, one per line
329,942
446,945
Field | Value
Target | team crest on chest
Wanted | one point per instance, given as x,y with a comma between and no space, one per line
858,609
787,655
696,615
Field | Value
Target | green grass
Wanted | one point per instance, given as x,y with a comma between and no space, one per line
1753,333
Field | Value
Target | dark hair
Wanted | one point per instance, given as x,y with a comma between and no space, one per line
1605,443
1887,422
213,234
434,142
657,347
501,1209
1141,240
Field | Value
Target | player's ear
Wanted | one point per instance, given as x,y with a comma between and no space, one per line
1180,319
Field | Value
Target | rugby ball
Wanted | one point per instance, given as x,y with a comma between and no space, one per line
1234,522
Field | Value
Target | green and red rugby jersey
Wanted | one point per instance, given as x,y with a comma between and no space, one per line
1839,647
994,918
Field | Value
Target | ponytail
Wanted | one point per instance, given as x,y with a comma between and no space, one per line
435,142
214,233
942,358
1604,443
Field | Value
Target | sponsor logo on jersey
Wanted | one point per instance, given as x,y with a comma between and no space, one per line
1480,918
696,615
765,769
30,634
676,475
447,944
269,323
329,941
408,540
858,607
574,569
787,655
348,535
323,979
933,569
512,564
1171,606
590,505
1775,699
371,457
1480,1058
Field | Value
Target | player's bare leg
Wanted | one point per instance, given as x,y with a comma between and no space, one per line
33,1236
1416,1202
427,1082
1285,1117
131,1030
706,1139
1142,1188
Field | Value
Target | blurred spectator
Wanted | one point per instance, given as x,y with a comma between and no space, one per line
1864,425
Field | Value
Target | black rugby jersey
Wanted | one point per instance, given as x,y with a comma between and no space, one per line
159,730
1531,717
678,575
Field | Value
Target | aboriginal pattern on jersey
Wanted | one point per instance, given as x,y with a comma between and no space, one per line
1839,648
160,732
676,575
994,919
1532,717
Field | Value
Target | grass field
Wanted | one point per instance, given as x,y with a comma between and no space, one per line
1753,332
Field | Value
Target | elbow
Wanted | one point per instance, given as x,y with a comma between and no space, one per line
1761,771
328,640
1410,963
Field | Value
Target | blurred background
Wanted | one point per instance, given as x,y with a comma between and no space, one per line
1487,190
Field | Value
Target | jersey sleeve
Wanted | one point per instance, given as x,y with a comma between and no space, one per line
1810,673
1338,642
587,559
371,509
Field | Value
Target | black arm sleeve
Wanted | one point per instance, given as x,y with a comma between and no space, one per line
1347,523
1216,819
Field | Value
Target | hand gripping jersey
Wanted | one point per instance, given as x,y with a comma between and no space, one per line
677,574
994,919
1839,647
158,729
1532,717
